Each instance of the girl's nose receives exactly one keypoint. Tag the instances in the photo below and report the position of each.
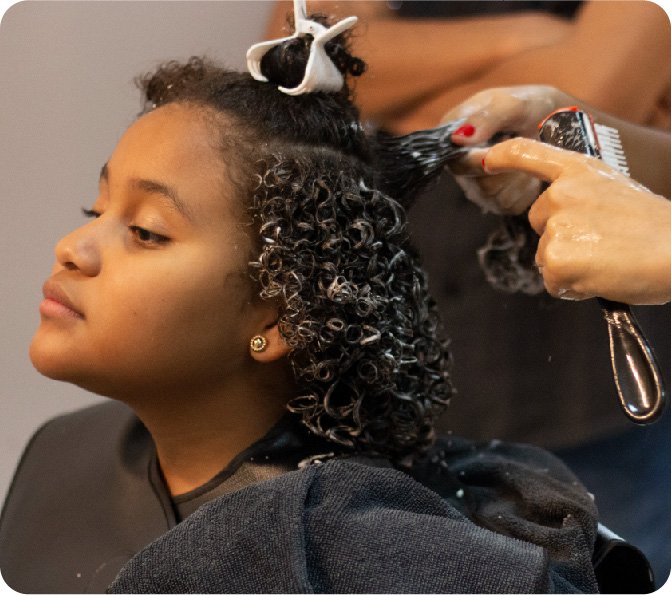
(80, 249)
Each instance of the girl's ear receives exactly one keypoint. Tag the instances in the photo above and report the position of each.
(268, 346)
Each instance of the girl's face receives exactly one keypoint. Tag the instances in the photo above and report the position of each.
(153, 292)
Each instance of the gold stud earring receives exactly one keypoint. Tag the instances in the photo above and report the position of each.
(258, 343)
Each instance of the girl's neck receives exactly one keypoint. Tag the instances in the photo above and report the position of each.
(198, 435)
(192, 454)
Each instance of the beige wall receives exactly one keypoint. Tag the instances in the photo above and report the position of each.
(65, 98)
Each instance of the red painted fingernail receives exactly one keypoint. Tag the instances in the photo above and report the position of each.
(483, 163)
(465, 130)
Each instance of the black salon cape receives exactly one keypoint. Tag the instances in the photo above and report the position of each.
(87, 501)
(346, 527)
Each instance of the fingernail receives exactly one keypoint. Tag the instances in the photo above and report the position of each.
(465, 130)
(484, 166)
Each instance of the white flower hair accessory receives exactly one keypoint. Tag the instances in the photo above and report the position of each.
(321, 74)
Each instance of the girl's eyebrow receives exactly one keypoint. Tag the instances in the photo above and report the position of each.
(154, 187)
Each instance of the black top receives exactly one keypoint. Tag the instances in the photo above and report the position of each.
(461, 8)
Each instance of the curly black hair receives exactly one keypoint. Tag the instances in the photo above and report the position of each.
(333, 250)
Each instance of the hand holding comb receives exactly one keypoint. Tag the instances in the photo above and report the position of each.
(635, 370)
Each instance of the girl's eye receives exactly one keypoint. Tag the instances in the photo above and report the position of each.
(90, 213)
(144, 236)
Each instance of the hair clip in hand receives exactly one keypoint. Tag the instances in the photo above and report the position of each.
(321, 74)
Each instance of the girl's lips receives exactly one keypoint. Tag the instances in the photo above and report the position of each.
(53, 309)
(56, 302)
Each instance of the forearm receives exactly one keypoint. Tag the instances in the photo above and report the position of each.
(435, 57)
(410, 61)
(624, 85)
(616, 59)
(621, 51)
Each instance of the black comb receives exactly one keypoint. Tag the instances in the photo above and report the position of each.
(411, 162)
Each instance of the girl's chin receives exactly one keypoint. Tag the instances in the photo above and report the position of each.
(44, 360)
(56, 361)
(65, 365)
(62, 372)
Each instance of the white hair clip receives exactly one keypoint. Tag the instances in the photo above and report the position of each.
(321, 73)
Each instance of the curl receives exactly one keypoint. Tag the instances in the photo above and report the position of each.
(373, 370)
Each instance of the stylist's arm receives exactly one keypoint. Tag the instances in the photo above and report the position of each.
(601, 233)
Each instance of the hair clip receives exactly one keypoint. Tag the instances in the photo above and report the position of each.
(321, 73)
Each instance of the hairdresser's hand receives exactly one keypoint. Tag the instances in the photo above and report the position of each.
(602, 234)
(515, 111)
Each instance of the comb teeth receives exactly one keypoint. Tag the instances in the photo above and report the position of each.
(409, 163)
(611, 147)
(428, 148)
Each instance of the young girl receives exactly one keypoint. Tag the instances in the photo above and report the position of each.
(245, 256)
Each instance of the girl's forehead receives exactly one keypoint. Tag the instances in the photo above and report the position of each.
(173, 146)
(173, 133)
